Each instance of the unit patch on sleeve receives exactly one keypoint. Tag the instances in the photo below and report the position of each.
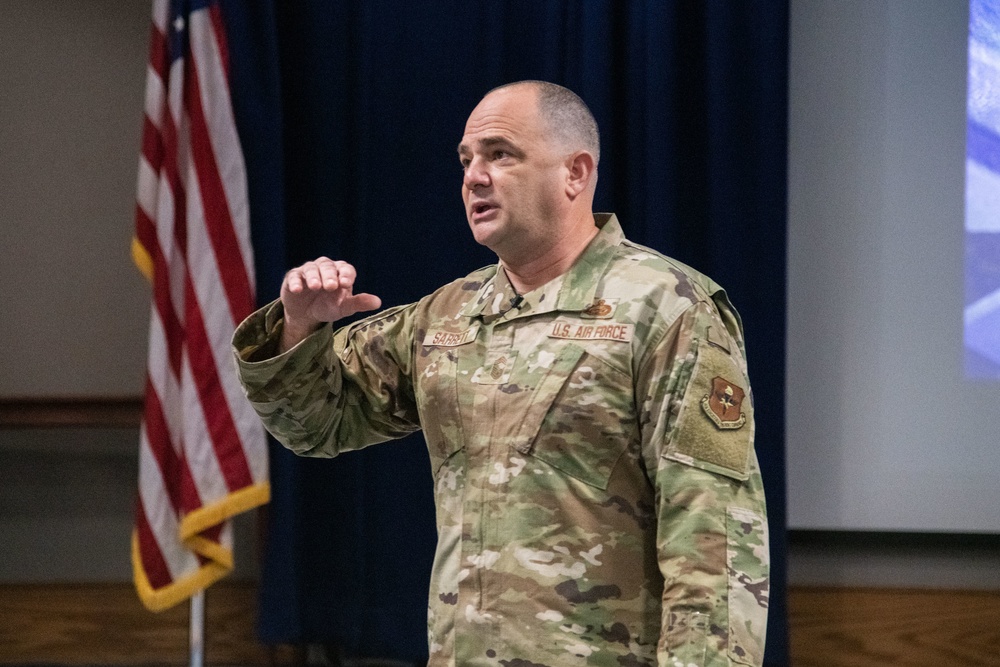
(723, 405)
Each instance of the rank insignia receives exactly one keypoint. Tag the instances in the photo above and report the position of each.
(496, 369)
(600, 309)
(724, 404)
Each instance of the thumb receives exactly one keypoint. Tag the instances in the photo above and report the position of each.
(358, 303)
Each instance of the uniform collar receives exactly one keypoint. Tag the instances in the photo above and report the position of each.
(574, 290)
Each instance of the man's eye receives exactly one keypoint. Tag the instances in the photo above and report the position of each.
(499, 155)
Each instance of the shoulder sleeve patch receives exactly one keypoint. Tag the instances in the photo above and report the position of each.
(714, 429)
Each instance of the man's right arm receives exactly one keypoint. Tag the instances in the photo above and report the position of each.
(316, 393)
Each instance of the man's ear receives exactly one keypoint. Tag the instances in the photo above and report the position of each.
(581, 173)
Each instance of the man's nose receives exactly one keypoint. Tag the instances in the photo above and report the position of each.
(476, 175)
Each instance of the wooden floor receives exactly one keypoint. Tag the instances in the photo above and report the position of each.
(830, 627)
(104, 624)
(836, 627)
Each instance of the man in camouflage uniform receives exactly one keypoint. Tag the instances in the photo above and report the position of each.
(586, 408)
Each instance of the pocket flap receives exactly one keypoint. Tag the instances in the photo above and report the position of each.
(545, 394)
(577, 421)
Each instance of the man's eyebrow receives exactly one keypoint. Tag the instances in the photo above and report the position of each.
(488, 142)
(485, 142)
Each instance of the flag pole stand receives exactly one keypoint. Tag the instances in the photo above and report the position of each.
(197, 641)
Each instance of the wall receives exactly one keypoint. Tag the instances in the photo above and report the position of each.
(891, 453)
(76, 310)
(884, 433)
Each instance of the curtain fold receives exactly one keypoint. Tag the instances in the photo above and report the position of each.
(349, 114)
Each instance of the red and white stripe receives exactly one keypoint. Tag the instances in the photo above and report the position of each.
(203, 456)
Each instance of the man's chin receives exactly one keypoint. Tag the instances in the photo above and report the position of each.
(485, 234)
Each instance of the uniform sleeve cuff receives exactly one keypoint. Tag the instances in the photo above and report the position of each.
(256, 340)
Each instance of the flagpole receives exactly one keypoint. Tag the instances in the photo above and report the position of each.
(198, 629)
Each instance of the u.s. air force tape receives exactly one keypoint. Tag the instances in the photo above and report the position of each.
(590, 330)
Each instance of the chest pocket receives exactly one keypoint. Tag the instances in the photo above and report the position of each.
(437, 402)
(580, 418)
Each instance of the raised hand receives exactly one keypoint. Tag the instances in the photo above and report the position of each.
(316, 292)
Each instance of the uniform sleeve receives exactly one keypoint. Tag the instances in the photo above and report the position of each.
(331, 392)
(698, 429)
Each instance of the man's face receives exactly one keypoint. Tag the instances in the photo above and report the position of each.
(514, 178)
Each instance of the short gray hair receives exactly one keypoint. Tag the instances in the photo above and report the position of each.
(567, 116)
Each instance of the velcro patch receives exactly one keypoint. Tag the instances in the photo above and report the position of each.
(714, 429)
(717, 338)
(439, 338)
(618, 331)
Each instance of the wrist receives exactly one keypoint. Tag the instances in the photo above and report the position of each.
(294, 332)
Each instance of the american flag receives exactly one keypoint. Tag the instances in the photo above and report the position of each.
(203, 456)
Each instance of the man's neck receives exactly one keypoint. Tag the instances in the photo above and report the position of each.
(534, 273)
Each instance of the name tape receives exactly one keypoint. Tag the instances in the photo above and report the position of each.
(438, 338)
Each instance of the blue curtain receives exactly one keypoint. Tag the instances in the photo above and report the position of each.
(350, 113)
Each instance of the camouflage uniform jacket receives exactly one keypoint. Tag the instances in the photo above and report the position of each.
(598, 496)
